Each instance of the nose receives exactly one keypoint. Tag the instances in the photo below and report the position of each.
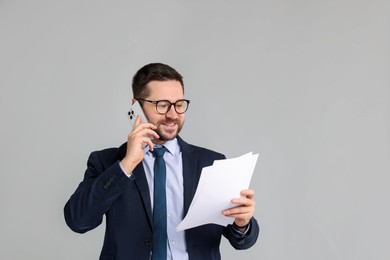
(172, 112)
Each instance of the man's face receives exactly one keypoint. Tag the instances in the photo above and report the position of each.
(169, 124)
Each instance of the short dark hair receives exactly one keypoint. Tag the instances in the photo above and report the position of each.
(151, 72)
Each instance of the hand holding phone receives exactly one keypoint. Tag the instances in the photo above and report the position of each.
(140, 137)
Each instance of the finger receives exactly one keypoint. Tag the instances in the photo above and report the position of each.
(144, 131)
(244, 217)
(141, 126)
(243, 201)
(149, 143)
(137, 121)
(238, 213)
(142, 139)
(237, 210)
(148, 133)
(248, 193)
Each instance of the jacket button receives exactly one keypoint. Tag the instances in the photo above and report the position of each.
(148, 243)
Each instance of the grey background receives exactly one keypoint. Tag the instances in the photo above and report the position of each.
(303, 83)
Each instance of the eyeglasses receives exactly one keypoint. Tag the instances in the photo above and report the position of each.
(163, 106)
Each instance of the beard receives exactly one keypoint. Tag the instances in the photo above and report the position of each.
(167, 135)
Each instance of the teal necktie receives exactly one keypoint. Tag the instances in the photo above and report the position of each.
(159, 245)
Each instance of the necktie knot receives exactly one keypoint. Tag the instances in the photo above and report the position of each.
(159, 152)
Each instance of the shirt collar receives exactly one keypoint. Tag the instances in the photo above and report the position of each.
(171, 145)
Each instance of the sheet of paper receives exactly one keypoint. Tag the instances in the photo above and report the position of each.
(218, 184)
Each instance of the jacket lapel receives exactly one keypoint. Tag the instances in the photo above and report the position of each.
(190, 173)
(143, 189)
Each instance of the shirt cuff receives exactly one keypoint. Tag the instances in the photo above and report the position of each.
(242, 233)
(123, 170)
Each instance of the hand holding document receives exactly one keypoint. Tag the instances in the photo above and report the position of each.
(218, 184)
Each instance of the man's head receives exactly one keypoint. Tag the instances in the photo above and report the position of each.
(153, 72)
(154, 85)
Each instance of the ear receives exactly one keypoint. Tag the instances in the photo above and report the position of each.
(133, 100)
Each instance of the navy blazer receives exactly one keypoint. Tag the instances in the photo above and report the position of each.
(126, 204)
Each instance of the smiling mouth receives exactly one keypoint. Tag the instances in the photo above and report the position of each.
(170, 124)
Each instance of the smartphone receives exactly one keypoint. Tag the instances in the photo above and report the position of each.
(136, 110)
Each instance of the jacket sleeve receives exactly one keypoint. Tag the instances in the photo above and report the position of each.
(103, 182)
(246, 241)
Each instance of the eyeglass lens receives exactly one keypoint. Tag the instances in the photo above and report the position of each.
(164, 106)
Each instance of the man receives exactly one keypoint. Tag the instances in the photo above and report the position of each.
(142, 213)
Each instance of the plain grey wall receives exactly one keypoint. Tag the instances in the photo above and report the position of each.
(303, 83)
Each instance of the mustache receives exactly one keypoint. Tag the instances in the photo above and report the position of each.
(168, 122)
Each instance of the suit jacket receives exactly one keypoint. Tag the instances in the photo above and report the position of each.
(126, 204)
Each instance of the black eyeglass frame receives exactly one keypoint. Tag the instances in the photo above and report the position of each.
(155, 102)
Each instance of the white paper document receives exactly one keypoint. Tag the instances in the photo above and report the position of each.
(218, 185)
